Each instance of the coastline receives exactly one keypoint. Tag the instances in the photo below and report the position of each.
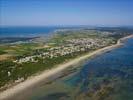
(36, 79)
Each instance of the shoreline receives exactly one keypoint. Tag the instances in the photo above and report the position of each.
(47, 73)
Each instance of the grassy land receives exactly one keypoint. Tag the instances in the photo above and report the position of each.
(2, 52)
(19, 49)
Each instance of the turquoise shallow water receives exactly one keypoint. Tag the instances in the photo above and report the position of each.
(108, 76)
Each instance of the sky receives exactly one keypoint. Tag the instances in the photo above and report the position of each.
(66, 12)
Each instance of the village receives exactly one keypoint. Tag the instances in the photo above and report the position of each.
(69, 47)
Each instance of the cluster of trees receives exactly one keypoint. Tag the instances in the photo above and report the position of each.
(2, 52)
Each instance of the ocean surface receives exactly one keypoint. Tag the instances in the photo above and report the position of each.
(25, 31)
(108, 76)
(29, 31)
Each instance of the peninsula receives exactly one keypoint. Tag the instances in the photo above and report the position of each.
(51, 56)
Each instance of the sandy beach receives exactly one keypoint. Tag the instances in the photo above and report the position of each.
(5, 95)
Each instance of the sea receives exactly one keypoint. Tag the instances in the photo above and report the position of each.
(25, 31)
(108, 76)
(31, 31)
